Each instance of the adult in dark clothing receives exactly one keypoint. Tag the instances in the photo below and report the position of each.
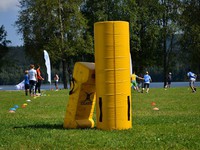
(169, 80)
(39, 80)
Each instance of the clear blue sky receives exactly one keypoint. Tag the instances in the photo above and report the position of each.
(8, 16)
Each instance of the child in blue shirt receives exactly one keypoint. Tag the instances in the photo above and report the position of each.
(147, 80)
(26, 82)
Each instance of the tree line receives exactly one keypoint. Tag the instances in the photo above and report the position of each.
(164, 34)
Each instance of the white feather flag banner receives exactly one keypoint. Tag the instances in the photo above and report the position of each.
(131, 71)
(48, 65)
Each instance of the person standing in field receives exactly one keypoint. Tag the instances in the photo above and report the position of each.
(39, 80)
(169, 80)
(26, 82)
(147, 80)
(192, 78)
(140, 82)
(134, 82)
(56, 78)
(32, 75)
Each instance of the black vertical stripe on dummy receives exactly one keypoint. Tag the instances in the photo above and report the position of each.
(72, 84)
(100, 108)
(128, 100)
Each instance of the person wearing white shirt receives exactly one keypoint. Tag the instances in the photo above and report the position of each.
(32, 74)
(192, 78)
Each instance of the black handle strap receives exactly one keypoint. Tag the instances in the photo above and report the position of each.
(72, 84)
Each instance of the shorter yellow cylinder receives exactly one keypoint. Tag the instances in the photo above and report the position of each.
(82, 97)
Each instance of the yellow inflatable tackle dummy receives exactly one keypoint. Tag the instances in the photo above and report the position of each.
(112, 73)
(82, 97)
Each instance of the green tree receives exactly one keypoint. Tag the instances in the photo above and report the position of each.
(57, 26)
(117, 10)
(169, 27)
(144, 18)
(3, 44)
(94, 11)
(146, 30)
(190, 41)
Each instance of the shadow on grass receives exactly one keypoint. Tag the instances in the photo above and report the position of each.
(41, 126)
(49, 126)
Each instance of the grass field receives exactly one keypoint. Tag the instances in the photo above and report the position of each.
(176, 126)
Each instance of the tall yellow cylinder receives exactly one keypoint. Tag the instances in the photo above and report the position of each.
(112, 73)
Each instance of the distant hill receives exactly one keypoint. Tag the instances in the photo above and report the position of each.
(18, 56)
(14, 64)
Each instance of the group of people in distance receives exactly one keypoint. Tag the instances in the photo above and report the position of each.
(147, 80)
(33, 80)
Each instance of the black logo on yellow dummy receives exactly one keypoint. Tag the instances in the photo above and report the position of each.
(87, 100)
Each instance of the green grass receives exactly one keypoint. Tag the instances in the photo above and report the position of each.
(39, 126)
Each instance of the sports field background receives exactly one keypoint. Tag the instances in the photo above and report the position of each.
(176, 125)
